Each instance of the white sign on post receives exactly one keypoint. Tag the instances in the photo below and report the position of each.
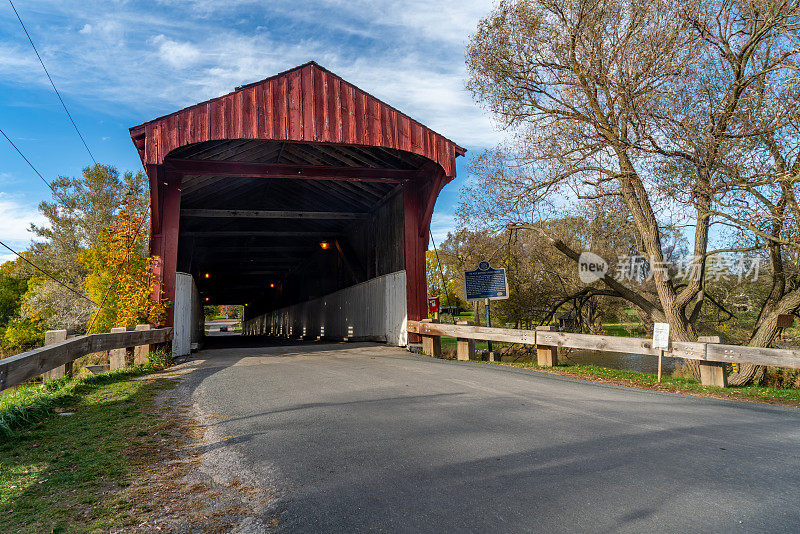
(661, 336)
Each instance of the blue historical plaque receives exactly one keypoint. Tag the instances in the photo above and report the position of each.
(486, 283)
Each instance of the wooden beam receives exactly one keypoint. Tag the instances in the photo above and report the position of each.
(51, 337)
(414, 255)
(238, 288)
(155, 198)
(546, 356)
(281, 170)
(208, 266)
(465, 348)
(262, 214)
(755, 355)
(261, 233)
(705, 352)
(216, 273)
(432, 194)
(17, 369)
(165, 245)
(432, 345)
(678, 349)
(207, 247)
(712, 373)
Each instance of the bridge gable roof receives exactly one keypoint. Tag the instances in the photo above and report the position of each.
(306, 104)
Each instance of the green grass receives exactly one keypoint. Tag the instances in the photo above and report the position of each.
(29, 403)
(622, 329)
(448, 341)
(677, 384)
(62, 473)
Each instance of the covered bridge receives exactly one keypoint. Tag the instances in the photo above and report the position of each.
(302, 197)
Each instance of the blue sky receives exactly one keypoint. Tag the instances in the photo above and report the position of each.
(120, 63)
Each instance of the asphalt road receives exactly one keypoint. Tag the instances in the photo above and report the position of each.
(362, 437)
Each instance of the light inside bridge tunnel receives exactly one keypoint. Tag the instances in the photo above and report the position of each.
(294, 191)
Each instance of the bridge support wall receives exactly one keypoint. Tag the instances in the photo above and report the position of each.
(372, 310)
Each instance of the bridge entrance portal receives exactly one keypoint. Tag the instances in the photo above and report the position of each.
(301, 196)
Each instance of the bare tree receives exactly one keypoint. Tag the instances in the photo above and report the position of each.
(652, 103)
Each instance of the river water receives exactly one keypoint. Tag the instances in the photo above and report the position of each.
(618, 360)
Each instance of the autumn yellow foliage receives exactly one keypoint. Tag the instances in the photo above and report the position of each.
(119, 276)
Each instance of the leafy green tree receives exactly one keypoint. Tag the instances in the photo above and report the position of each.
(50, 305)
(81, 210)
(12, 287)
(684, 111)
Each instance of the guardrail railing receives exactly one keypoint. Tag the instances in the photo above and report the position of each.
(710, 354)
(57, 355)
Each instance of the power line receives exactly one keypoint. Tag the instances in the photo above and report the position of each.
(48, 184)
(100, 306)
(50, 276)
(28, 161)
(51, 82)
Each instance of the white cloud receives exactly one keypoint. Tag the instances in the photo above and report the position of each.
(441, 224)
(17, 217)
(410, 54)
(177, 54)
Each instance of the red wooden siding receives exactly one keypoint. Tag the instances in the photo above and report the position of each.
(308, 104)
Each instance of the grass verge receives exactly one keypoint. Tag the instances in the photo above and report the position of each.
(785, 397)
(27, 404)
(65, 472)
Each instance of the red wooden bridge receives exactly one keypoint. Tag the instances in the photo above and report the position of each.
(288, 191)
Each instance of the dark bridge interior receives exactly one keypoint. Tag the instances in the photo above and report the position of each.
(272, 241)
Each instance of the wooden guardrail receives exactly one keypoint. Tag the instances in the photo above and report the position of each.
(711, 355)
(60, 352)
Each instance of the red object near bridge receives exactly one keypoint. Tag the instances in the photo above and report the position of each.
(433, 304)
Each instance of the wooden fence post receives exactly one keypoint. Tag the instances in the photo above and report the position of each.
(465, 348)
(50, 337)
(141, 352)
(117, 356)
(712, 373)
(546, 355)
(431, 345)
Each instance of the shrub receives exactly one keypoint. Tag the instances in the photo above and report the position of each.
(24, 334)
(159, 359)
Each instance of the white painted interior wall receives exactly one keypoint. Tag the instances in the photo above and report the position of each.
(188, 315)
(375, 309)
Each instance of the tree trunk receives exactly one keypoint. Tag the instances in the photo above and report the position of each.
(747, 372)
(764, 336)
